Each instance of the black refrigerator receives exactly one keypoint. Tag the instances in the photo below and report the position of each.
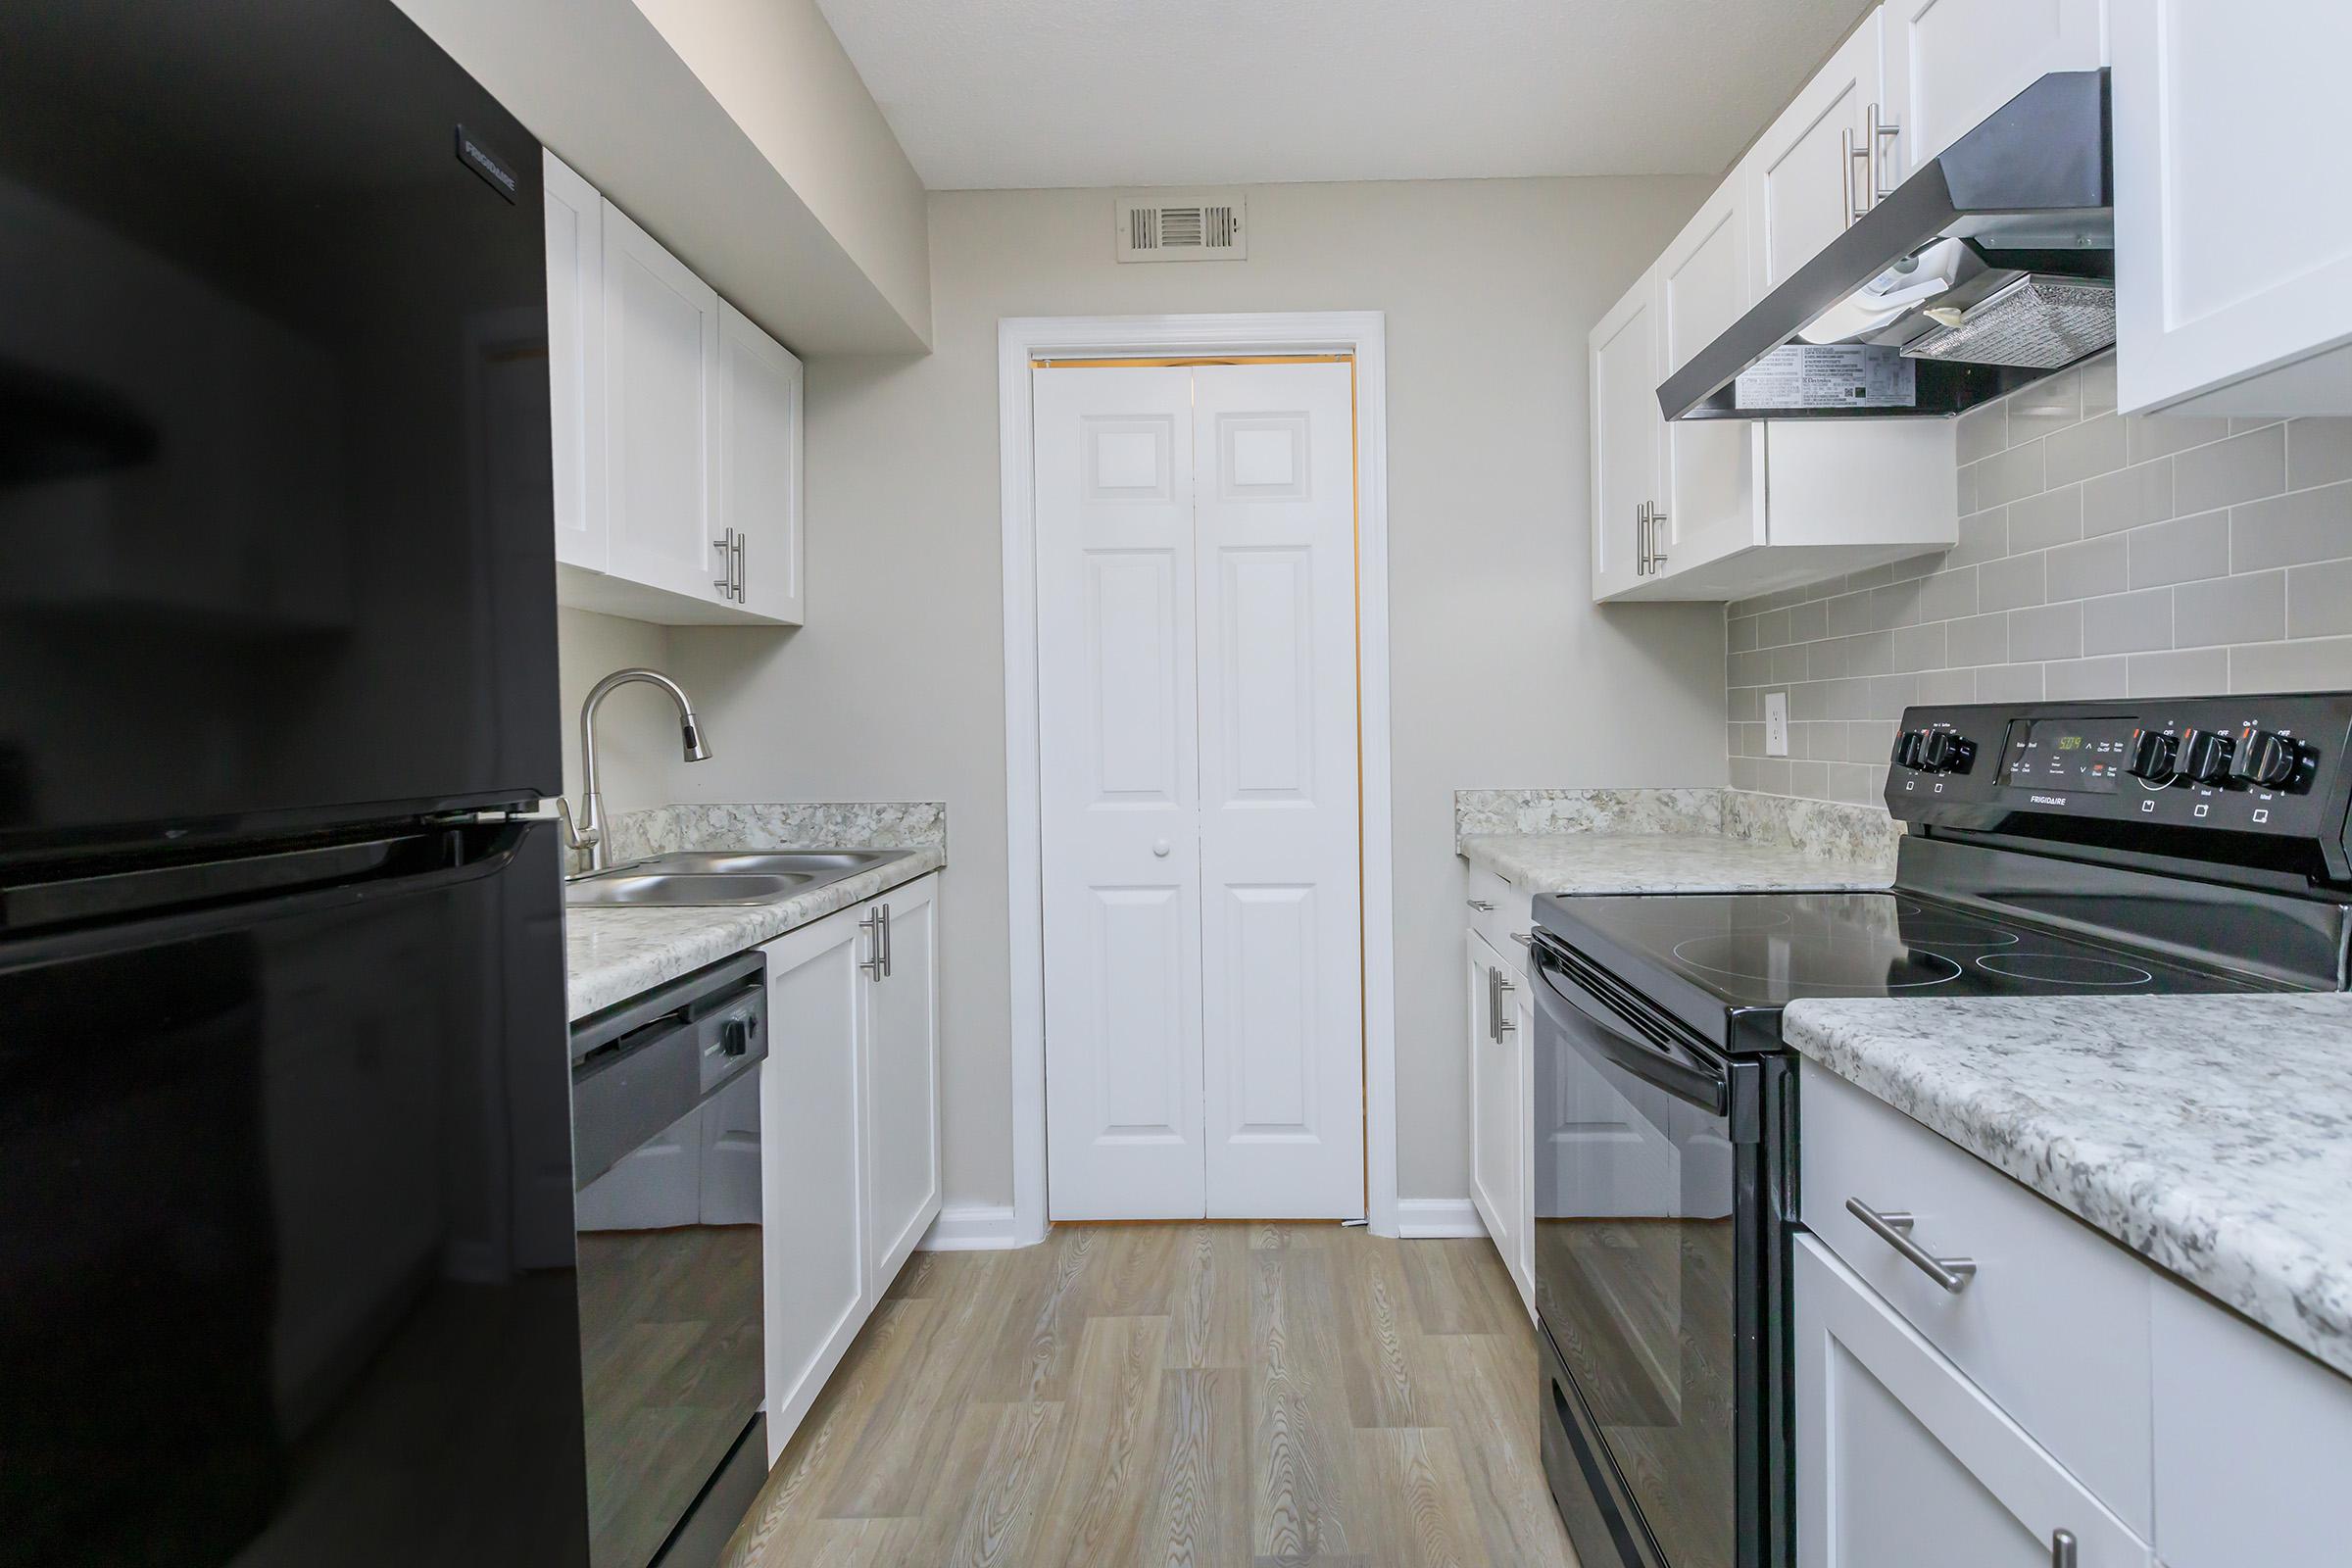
(285, 1181)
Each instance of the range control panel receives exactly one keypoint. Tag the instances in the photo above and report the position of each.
(2273, 766)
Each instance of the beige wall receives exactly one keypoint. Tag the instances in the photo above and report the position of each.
(1503, 672)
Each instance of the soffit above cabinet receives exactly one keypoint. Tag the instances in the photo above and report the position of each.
(599, 84)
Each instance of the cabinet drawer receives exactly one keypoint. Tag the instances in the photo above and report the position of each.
(2054, 1325)
(1511, 912)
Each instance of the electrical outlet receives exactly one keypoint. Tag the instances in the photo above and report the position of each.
(1776, 724)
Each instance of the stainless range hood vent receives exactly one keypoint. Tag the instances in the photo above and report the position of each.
(1990, 267)
(2039, 323)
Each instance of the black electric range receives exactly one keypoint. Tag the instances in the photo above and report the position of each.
(2054, 849)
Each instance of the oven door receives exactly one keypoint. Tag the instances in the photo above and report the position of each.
(1648, 1276)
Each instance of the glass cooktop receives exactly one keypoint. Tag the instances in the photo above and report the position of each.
(1763, 950)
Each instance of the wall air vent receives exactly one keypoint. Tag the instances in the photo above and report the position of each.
(1194, 226)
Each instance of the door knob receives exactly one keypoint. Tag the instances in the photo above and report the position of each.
(1159, 847)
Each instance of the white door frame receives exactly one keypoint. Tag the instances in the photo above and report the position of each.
(1020, 341)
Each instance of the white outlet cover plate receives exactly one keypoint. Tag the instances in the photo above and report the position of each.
(1776, 724)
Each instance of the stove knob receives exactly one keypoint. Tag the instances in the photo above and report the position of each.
(2264, 760)
(1907, 749)
(2152, 752)
(2205, 756)
(1945, 751)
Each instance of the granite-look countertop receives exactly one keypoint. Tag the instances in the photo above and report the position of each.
(1663, 862)
(614, 954)
(2210, 1134)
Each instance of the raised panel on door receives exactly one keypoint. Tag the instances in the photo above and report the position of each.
(661, 345)
(1120, 825)
(757, 483)
(575, 336)
(2233, 239)
(1801, 176)
(1900, 1460)
(1627, 431)
(903, 1186)
(1709, 483)
(1494, 1125)
(812, 1121)
(1951, 63)
(1274, 539)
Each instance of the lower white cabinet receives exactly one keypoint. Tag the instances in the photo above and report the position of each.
(850, 1130)
(1901, 1459)
(1501, 1019)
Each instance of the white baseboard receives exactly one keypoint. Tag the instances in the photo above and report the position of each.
(969, 1228)
(1419, 1218)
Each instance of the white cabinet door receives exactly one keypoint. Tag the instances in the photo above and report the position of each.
(1627, 435)
(576, 361)
(1707, 478)
(757, 484)
(1802, 173)
(1900, 1460)
(1951, 63)
(811, 1116)
(902, 1078)
(1497, 1116)
(2233, 208)
(660, 347)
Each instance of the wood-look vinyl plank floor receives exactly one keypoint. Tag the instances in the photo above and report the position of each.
(1209, 1396)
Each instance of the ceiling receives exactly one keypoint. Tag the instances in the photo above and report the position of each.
(988, 94)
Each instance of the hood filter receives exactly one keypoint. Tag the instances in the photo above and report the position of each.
(2039, 323)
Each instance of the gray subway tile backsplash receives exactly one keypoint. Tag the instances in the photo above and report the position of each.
(2099, 556)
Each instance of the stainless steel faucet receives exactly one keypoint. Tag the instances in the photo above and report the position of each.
(588, 832)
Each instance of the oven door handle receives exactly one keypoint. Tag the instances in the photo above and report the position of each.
(1608, 1034)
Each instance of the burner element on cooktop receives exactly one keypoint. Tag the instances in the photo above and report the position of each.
(2066, 970)
(1869, 967)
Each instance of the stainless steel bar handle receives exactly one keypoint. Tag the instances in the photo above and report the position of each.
(1657, 556)
(2062, 1548)
(737, 553)
(889, 945)
(1845, 163)
(724, 544)
(871, 925)
(1493, 1002)
(1483, 905)
(1881, 132)
(1504, 1023)
(1894, 1227)
(1859, 187)
(1641, 538)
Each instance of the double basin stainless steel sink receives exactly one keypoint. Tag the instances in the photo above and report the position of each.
(723, 877)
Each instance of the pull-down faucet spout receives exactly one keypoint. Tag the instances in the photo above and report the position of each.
(588, 832)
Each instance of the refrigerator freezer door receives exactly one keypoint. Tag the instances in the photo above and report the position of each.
(288, 1232)
(276, 539)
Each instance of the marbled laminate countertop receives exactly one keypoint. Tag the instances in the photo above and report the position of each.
(614, 954)
(2210, 1134)
(1664, 862)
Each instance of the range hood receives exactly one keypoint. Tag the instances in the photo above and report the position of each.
(1988, 270)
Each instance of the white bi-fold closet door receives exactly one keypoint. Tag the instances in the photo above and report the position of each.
(1196, 695)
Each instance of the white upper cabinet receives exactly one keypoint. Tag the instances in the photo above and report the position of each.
(2233, 208)
(676, 430)
(1807, 176)
(1627, 432)
(575, 357)
(1706, 466)
(757, 486)
(660, 355)
(1951, 63)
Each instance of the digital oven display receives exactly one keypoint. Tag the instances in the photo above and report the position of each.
(2068, 753)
